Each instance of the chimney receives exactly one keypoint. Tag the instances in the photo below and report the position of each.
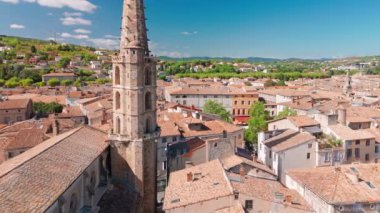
(242, 171)
(55, 127)
(104, 116)
(342, 115)
(190, 177)
(288, 199)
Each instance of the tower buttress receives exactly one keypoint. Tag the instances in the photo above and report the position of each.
(135, 131)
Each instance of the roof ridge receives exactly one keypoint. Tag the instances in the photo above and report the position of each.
(20, 160)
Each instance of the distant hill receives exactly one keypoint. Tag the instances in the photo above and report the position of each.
(229, 59)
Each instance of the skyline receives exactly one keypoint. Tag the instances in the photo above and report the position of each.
(251, 28)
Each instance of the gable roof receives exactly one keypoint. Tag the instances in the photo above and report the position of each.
(211, 184)
(341, 185)
(14, 104)
(34, 180)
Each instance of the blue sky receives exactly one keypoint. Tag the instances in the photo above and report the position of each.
(180, 28)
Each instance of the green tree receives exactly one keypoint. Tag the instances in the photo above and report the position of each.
(216, 108)
(78, 83)
(33, 49)
(2, 82)
(66, 83)
(53, 82)
(40, 84)
(26, 82)
(286, 112)
(63, 63)
(12, 83)
(257, 122)
(42, 108)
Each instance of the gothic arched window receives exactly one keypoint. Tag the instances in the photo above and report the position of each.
(117, 100)
(117, 130)
(117, 76)
(148, 77)
(147, 126)
(148, 101)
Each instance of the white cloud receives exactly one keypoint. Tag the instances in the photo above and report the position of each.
(189, 33)
(111, 36)
(79, 5)
(72, 14)
(160, 50)
(82, 31)
(105, 43)
(75, 21)
(78, 36)
(10, 1)
(17, 26)
(49, 14)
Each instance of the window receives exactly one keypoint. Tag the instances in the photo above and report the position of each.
(310, 145)
(349, 153)
(243, 111)
(117, 100)
(215, 145)
(249, 204)
(242, 102)
(147, 126)
(357, 153)
(233, 112)
(270, 154)
(368, 142)
(327, 157)
(236, 102)
(215, 96)
(10, 155)
(19, 118)
(117, 127)
(117, 75)
(164, 165)
(357, 142)
(367, 157)
(184, 102)
(148, 77)
(174, 139)
(205, 96)
(249, 103)
(349, 143)
(164, 140)
(238, 112)
(376, 149)
(148, 101)
(308, 155)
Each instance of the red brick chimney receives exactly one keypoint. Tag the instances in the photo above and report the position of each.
(189, 177)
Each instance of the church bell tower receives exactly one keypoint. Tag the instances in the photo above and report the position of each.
(135, 131)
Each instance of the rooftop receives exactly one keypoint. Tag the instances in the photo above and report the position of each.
(302, 121)
(346, 133)
(14, 104)
(210, 182)
(268, 190)
(348, 184)
(34, 180)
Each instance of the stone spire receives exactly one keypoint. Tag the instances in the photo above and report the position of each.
(133, 31)
(135, 131)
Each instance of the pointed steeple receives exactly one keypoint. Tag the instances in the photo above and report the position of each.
(133, 32)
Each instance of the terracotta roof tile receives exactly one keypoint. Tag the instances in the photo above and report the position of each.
(14, 104)
(346, 184)
(211, 183)
(34, 180)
